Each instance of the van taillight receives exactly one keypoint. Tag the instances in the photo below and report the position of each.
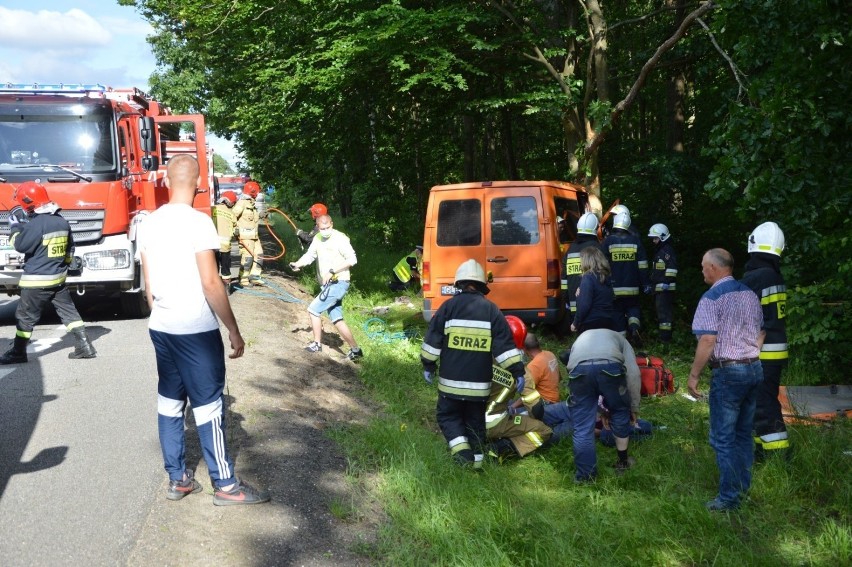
(425, 276)
(553, 274)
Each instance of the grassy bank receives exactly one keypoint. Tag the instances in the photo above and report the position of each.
(530, 512)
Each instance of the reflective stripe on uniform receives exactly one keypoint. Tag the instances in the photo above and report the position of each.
(772, 441)
(774, 351)
(50, 280)
(467, 389)
(625, 291)
(535, 438)
(458, 444)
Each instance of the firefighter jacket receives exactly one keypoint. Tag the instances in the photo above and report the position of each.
(468, 333)
(663, 267)
(571, 272)
(405, 267)
(245, 212)
(628, 262)
(763, 275)
(223, 216)
(48, 247)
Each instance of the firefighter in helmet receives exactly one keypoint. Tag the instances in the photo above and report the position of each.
(317, 210)
(223, 216)
(45, 239)
(629, 266)
(513, 435)
(587, 235)
(662, 277)
(763, 276)
(248, 235)
(468, 334)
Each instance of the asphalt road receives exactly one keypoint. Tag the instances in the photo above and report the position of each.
(76, 441)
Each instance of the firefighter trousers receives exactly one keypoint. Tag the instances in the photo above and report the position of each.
(33, 301)
(251, 262)
(463, 424)
(664, 302)
(770, 433)
(525, 433)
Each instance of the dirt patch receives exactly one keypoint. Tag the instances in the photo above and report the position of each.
(281, 401)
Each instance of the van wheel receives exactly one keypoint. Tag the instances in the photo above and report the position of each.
(135, 305)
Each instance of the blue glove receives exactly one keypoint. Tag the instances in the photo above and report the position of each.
(647, 289)
(427, 375)
(13, 220)
(519, 383)
(664, 287)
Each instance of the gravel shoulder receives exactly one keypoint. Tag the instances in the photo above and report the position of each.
(281, 401)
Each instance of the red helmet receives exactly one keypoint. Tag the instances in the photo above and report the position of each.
(31, 195)
(228, 197)
(318, 210)
(252, 189)
(519, 330)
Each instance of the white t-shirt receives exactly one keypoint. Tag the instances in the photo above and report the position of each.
(170, 237)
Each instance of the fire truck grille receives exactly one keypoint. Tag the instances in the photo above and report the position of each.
(87, 226)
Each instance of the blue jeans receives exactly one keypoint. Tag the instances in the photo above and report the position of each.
(588, 381)
(330, 299)
(733, 394)
(558, 417)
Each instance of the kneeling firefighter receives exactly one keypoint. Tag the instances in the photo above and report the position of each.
(44, 237)
(512, 435)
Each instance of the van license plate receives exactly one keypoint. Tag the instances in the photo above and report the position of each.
(449, 290)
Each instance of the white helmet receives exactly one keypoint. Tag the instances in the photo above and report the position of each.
(660, 231)
(768, 238)
(618, 209)
(622, 221)
(588, 224)
(470, 271)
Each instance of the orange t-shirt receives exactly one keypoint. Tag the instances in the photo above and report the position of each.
(544, 369)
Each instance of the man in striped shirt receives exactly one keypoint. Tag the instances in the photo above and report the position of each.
(729, 326)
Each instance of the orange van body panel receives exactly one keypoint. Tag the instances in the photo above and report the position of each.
(519, 247)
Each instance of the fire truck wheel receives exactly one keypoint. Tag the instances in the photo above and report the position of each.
(135, 305)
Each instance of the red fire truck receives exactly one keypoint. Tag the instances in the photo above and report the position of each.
(101, 153)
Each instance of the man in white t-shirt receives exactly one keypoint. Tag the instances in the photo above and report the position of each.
(334, 255)
(178, 246)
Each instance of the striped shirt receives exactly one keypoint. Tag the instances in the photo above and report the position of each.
(731, 311)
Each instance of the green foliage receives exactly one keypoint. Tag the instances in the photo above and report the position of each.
(366, 105)
(221, 165)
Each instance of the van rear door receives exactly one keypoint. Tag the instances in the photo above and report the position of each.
(514, 254)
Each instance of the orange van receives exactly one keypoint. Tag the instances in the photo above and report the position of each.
(510, 227)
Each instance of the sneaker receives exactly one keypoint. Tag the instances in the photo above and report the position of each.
(622, 466)
(241, 493)
(180, 488)
(717, 505)
(256, 280)
(355, 354)
(313, 346)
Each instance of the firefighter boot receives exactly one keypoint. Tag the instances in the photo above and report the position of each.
(16, 354)
(84, 348)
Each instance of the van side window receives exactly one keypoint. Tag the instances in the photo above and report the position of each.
(460, 223)
(569, 210)
(514, 220)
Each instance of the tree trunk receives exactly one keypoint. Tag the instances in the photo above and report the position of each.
(676, 92)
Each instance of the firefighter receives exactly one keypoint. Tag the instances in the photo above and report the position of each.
(662, 276)
(629, 273)
(587, 235)
(223, 216)
(514, 435)
(468, 334)
(45, 239)
(763, 276)
(251, 251)
(613, 212)
(407, 270)
(317, 210)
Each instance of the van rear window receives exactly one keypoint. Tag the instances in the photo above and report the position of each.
(460, 223)
(514, 220)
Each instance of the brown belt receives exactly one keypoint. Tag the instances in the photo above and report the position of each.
(724, 363)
